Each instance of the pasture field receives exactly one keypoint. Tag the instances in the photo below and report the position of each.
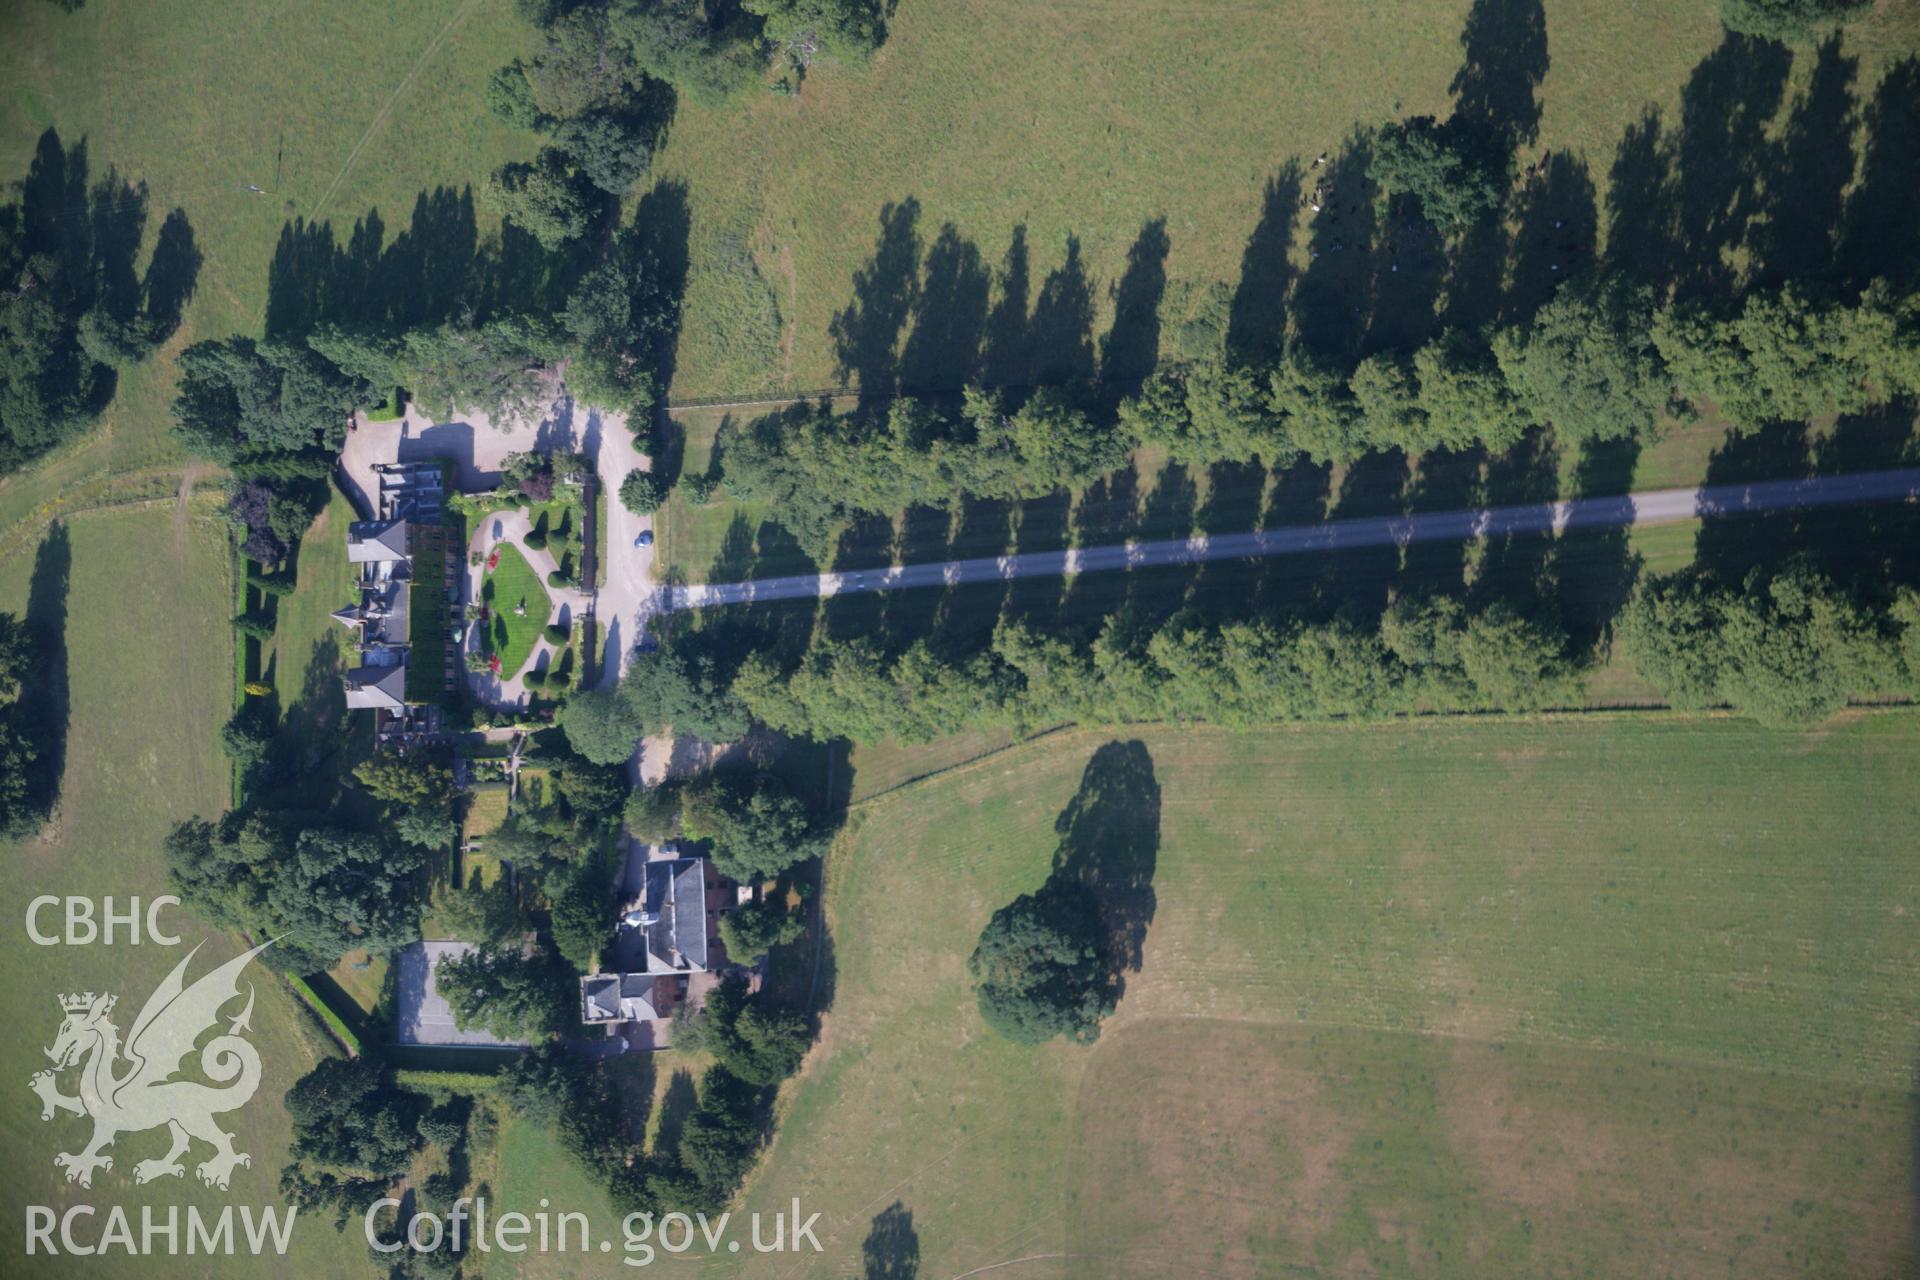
(142, 597)
(1537, 996)
(1045, 145)
(331, 109)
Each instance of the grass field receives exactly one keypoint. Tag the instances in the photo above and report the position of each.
(1588, 995)
(149, 671)
(1006, 129)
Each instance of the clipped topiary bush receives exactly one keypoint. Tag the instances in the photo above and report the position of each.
(556, 635)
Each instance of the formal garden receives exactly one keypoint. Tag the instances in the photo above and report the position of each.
(517, 608)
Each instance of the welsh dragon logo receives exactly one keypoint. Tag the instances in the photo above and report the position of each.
(145, 1095)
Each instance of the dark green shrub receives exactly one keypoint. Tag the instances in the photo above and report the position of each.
(640, 492)
(257, 626)
(273, 584)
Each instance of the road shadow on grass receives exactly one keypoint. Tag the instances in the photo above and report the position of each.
(891, 1250)
(45, 705)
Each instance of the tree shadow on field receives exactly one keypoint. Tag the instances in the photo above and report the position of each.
(1132, 345)
(676, 1104)
(657, 240)
(1060, 332)
(1004, 359)
(866, 335)
(1333, 300)
(1109, 844)
(1557, 223)
(932, 320)
(1257, 317)
(72, 242)
(892, 1247)
(1505, 48)
(45, 705)
(949, 318)
(1878, 238)
(1682, 201)
(436, 269)
(171, 275)
(311, 747)
(1807, 185)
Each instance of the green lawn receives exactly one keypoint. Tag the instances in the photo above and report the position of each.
(512, 585)
(1586, 995)
(693, 542)
(534, 1167)
(150, 676)
(309, 646)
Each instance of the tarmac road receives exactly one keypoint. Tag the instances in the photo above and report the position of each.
(1662, 506)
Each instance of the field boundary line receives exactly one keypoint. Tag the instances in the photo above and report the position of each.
(22, 534)
(1683, 1057)
(1010, 1262)
(386, 108)
(1637, 711)
(988, 754)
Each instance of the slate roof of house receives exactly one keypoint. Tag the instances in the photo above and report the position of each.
(383, 687)
(376, 541)
(675, 905)
(617, 997)
(388, 603)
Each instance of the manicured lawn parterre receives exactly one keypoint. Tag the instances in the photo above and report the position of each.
(1592, 995)
(519, 607)
(148, 674)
